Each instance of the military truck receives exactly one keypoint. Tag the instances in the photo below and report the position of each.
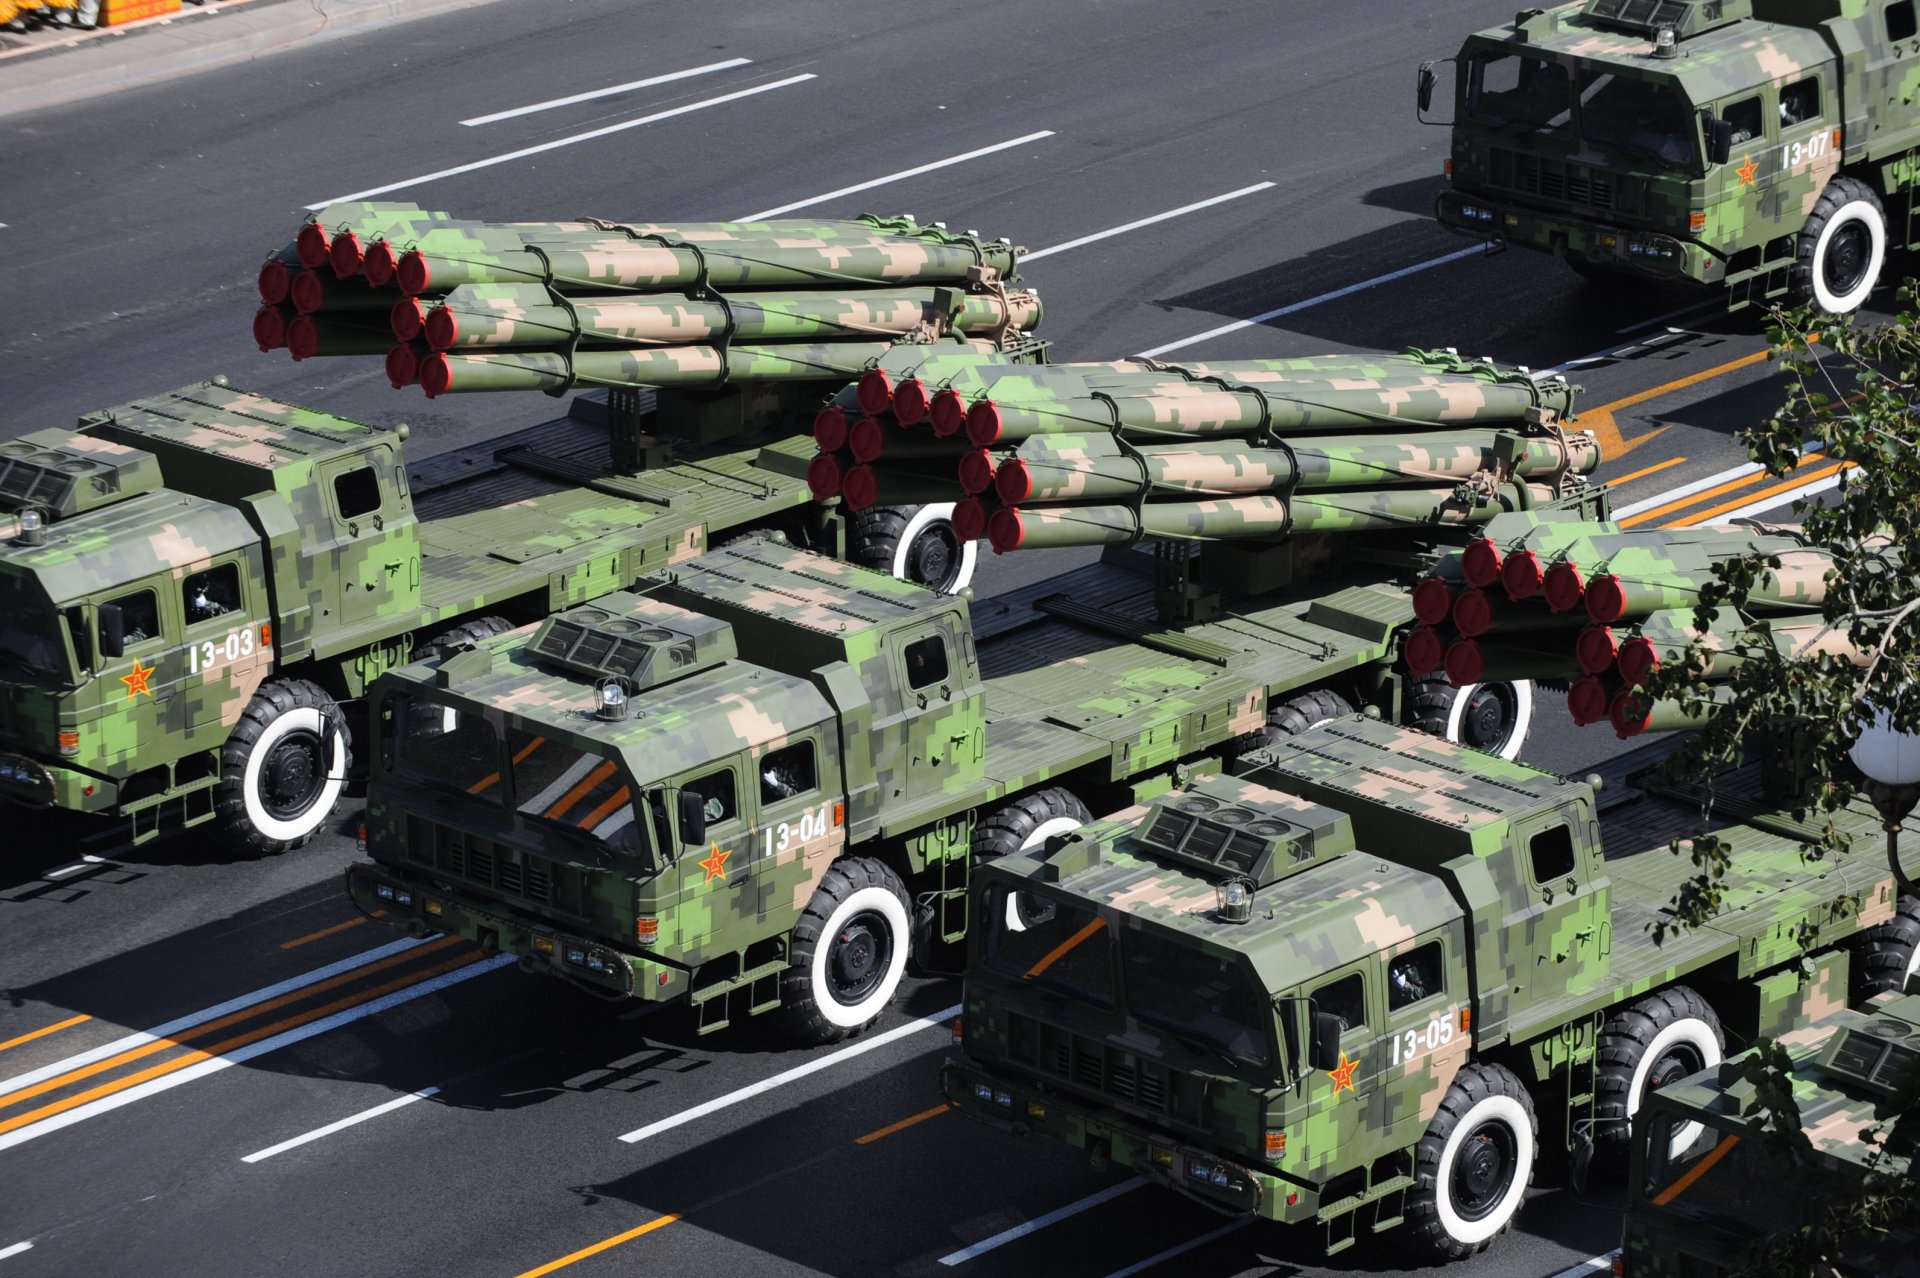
(760, 780)
(1705, 1184)
(1767, 146)
(193, 584)
(1358, 985)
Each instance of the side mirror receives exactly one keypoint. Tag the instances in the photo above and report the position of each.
(1719, 141)
(113, 631)
(693, 818)
(1324, 1051)
(1423, 95)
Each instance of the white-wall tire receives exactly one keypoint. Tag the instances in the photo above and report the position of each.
(1041, 833)
(1436, 706)
(869, 902)
(1657, 1040)
(1474, 1165)
(848, 952)
(923, 520)
(283, 768)
(1692, 1033)
(1511, 1116)
(1842, 247)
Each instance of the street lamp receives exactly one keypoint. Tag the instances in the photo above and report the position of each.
(1890, 761)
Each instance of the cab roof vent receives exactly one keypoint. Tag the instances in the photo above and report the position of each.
(1686, 17)
(62, 474)
(1229, 840)
(645, 651)
(1873, 1057)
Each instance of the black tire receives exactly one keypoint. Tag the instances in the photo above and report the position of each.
(849, 951)
(1290, 718)
(1493, 718)
(1473, 1166)
(282, 769)
(1661, 1038)
(467, 632)
(1884, 957)
(1840, 250)
(1023, 823)
(913, 543)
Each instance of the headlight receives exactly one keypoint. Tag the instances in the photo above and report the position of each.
(982, 1091)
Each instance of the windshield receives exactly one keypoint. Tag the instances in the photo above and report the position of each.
(1649, 118)
(1519, 91)
(1702, 1171)
(579, 792)
(1197, 995)
(443, 747)
(1068, 948)
(29, 638)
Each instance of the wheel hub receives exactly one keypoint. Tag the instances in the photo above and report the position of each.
(1483, 1170)
(1673, 1066)
(858, 961)
(933, 556)
(1845, 264)
(1488, 718)
(290, 779)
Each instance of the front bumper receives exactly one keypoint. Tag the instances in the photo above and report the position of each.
(420, 909)
(1224, 1184)
(1653, 254)
(34, 783)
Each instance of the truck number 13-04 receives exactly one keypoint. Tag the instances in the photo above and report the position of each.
(812, 825)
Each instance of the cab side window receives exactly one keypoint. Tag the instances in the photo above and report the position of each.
(1552, 852)
(1414, 976)
(139, 615)
(1799, 103)
(357, 492)
(717, 794)
(1900, 23)
(1345, 998)
(210, 594)
(1744, 116)
(789, 772)
(926, 661)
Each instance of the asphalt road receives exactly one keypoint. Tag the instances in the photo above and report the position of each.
(133, 225)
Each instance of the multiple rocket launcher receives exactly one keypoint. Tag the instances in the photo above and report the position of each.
(1092, 454)
(1621, 605)
(458, 305)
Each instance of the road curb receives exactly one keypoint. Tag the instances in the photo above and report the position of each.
(200, 42)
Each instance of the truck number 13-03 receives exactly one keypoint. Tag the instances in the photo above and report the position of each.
(205, 656)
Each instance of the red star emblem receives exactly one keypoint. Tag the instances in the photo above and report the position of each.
(1343, 1076)
(1747, 171)
(716, 864)
(137, 681)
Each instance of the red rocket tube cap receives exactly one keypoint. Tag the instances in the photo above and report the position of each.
(1629, 714)
(875, 391)
(910, 402)
(1012, 482)
(308, 291)
(1433, 600)
(948, 411)
(275, 281)
(403, 366)
(1465, 663)
(436, 375)
(977, 473)
(1424, 652)
(1480, 562)
(983, 422)
(379, 264)
(1638, 659)
(303, 338)
(1564, 586)
(414, 274)
(860, 487)
(311, 245)
(1473, 613)
(1606, 600)
(345, 255)
(823, 476)
(1520, 574)
(969, 519)
(867, 439)
(1596, 650)
(269, 328)
(411, 320)
(830, 428)
(1005, 532)
(1587, 700)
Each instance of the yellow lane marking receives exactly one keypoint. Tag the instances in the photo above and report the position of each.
(1798, 479)
(162, 1044)
(330, 931)
(604, 1244)
(902, 1125)
(1644, 471)
(251, 1036)
(43, 1031)
(1601, 420)
(1745, 481)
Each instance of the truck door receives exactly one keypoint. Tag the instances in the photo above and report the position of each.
(717, 881)
(226, 655)
(938, 711)
(1886, 108)
(1337, 1100)
(1426, 988)
(801, 827)
(1556, 929)
(375, 547)
(138, 685)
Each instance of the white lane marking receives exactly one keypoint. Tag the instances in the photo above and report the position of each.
(1336, 295)
(557, 143)
(1810, 489)
(895, 177)
(82, 864)
(342, 1125)
(192, 1019)
(1053, 1217)
(166, 1082)
(792, 1075)
(1591, 1265)
(17, 1248)
(1187, 1246)
(1688, 490)
(648, 83)
(1147, 221)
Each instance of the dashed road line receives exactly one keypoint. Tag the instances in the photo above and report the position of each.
(18, 1247)
(1053, 1217)
(555, 103)
(83, 863)
(1644, 471)
(1146, 221)
(43, 1031)
(1187, 1246)
(335, 930)
(352, 1120)
(1591, 1265)
(902, 1125)
(895, 177)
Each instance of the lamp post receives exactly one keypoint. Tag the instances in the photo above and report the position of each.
(1890, 761)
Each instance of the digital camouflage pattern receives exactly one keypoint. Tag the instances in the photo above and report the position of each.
(1708, 1206)
(1574, 133)
(1467, 903)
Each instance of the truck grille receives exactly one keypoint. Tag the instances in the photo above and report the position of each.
(1108, 1071)
(497, 869)
(1563, 183)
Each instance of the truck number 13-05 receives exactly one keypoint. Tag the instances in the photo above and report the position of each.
(1438, 1033)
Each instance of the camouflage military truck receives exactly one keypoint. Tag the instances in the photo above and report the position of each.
(762, 778)
(1765, 145)
(1349, 988)
(1705, 1189)
(194, 583)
